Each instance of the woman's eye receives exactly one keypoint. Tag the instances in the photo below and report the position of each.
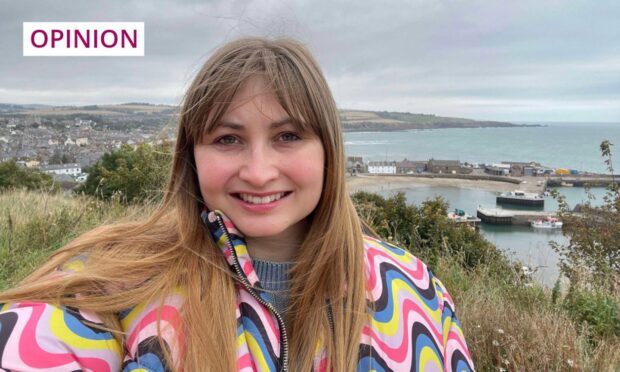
(227, 140)
(289, 137)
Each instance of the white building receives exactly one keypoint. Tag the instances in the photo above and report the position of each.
(72, 169)
(382, 167)
(83, 141)
(82, 123)
(69, 141)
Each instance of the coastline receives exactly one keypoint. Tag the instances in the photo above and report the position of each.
(376, 183)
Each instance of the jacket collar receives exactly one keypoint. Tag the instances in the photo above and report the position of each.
(232, 244)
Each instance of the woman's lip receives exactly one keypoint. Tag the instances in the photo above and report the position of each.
(261, 194)
(261, 208)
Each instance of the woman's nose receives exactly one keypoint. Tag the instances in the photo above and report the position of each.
(260, 166)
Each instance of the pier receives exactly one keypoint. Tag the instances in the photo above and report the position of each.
(582, 181)
(496, 216)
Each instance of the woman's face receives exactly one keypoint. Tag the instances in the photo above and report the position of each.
(257, 167)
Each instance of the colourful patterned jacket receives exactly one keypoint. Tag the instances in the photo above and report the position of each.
(413, 326)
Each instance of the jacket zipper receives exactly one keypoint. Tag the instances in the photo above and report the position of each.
(246, 284)
(330, 318)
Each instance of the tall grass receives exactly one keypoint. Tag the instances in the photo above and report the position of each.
(517, 327)
(34, 224)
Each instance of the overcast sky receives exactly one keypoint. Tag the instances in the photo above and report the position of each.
(520, 61)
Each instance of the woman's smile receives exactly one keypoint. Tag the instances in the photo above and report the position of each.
(261, 204)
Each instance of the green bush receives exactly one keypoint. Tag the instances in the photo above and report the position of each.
(12, 176)
(599, 311)
(130, 174)
(591, 259)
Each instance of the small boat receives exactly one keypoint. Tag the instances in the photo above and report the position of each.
(547, 223)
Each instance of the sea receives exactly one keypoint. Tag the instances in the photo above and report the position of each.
(556, 145)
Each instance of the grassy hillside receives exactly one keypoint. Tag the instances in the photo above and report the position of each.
(34, 224)
(356, 120)
(136, 113)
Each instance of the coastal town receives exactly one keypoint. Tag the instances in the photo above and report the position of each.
(63, 144)
(63, 141)
(532, 176)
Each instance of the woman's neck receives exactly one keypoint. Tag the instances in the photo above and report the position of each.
(278, 248)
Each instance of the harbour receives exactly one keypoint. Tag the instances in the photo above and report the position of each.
(558, 145)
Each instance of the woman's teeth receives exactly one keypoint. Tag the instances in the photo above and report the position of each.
(261, 200)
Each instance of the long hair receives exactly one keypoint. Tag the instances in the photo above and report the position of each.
(172, 249)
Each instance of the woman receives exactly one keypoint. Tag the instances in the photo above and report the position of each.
(292, 285)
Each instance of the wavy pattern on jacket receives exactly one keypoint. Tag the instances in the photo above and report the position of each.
(413, 325)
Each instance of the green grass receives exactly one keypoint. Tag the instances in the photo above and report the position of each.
(34, 224)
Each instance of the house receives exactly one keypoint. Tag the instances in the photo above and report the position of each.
(410, 167)
(32, 163)
(355, 164)
(83, 141)
(444, 166)
(497, 169)
(382, 167)
(520, 169)
(72, 169)
(516, 170)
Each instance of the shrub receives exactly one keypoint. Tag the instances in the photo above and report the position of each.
(132, 174)
(13, 176)
(599, 311)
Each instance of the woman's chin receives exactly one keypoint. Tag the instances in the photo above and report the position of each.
(260, 231)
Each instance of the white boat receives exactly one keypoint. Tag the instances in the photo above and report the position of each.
(547, 223)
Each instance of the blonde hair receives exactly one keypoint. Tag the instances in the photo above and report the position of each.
(171, 249)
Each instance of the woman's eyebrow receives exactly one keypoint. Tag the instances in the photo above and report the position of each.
(237, 126)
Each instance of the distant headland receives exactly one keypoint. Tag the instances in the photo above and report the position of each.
(386, 121)
(140, 112)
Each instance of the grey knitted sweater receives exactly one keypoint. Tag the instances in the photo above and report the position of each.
(274, 279)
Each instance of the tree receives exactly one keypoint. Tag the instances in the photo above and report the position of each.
(136, 174)
(592, 256)
(15, 176)
(60, 157)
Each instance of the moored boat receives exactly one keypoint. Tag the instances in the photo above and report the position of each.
(521, 198)
(547, 223)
